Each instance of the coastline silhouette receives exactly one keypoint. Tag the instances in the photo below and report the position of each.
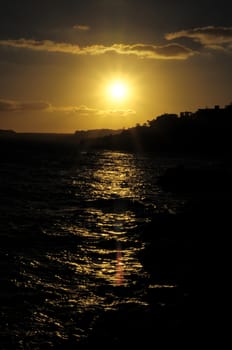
(205, 131)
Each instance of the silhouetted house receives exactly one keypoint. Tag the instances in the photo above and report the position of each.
(208, 115)
(208, 111)
(186, 114)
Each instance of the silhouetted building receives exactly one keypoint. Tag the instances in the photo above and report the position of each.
(185, 114)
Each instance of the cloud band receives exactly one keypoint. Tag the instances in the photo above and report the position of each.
(170, 51)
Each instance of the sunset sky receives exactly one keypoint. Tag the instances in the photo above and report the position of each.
(67, 65)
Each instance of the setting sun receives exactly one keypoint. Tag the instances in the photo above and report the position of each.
(117, 90)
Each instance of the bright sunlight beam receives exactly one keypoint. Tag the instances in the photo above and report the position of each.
(117, 90)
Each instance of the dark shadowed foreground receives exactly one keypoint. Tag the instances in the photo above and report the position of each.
(109, 248)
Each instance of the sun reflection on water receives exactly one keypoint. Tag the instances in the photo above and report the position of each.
(116, 177)
(115, 181)
(112, 251)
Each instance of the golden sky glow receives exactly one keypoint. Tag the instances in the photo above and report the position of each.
(78, 65)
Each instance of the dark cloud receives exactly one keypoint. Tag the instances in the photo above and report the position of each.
(18, 106)
(82, 110)
(170, 51)
(207, 36)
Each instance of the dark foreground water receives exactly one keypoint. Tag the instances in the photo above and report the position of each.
(78, 260)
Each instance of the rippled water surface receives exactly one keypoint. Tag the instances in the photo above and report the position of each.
(70, 244)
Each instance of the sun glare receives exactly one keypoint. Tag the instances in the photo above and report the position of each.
(117, 90)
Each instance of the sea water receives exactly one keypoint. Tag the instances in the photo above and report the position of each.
(71, 246)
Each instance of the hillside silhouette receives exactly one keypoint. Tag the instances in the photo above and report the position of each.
(207, 130)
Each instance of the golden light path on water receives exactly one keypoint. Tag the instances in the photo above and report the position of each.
(111, 251)
(115, 180)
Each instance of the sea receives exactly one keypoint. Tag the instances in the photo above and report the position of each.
(74, 231)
